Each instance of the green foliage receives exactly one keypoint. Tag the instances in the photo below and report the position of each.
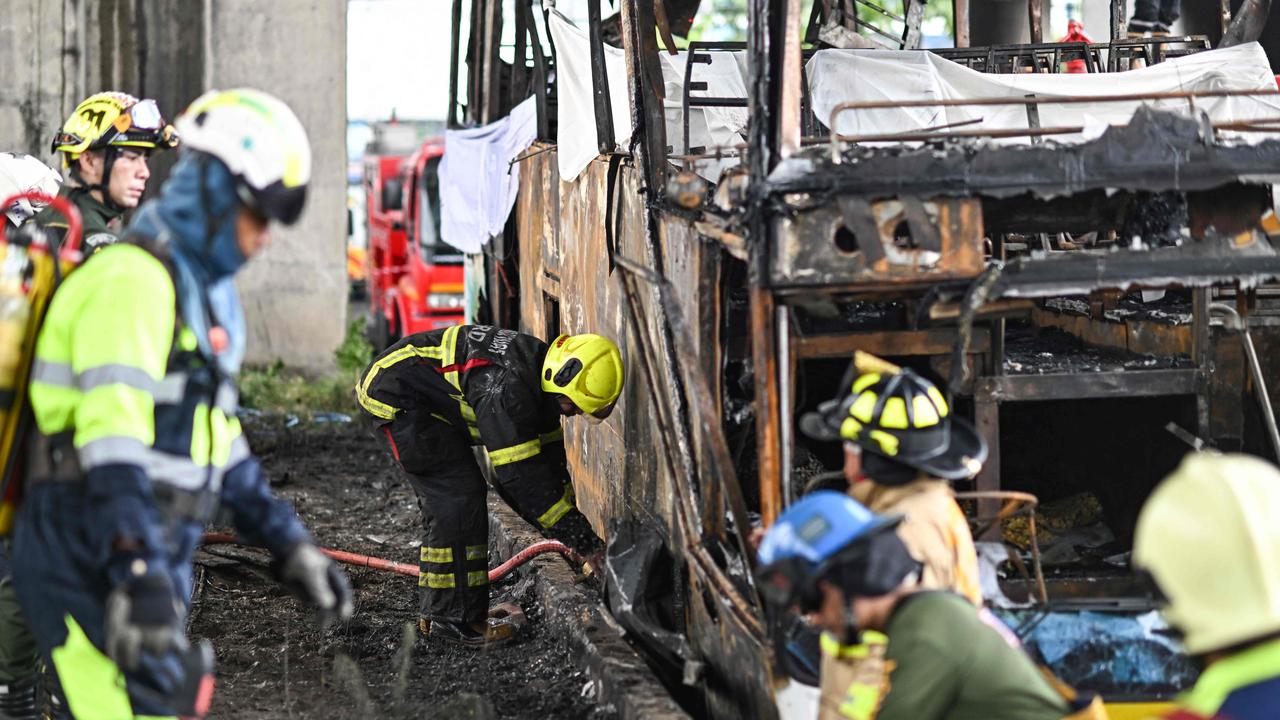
(727, 19)
(278, 390)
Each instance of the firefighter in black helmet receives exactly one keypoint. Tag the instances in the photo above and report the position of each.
(436, 394)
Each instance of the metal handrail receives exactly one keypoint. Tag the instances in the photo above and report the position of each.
(1015, 504)
(836, 138)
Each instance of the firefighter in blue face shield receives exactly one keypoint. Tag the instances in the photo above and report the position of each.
(138, 444)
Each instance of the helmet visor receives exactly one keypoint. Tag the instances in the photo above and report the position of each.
(145, 115)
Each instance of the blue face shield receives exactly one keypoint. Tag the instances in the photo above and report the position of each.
(195, 219)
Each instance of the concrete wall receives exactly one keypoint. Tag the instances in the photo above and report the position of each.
(172, 50)
(296, 293)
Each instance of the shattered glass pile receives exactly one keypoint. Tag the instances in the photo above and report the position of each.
(1115, 654)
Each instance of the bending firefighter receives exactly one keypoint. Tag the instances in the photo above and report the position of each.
(138, 443)
(434, 395)
(105, 145)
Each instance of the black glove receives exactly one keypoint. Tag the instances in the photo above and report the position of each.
(143, 614)
(312, 577)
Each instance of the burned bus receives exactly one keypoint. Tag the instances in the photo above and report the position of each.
(1083, 259)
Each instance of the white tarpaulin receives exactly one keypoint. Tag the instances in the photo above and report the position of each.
(576, 143)
(837, 76)
(709, 127)
(478, 185)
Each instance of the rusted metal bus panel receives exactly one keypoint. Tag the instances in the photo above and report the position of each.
(885, 242)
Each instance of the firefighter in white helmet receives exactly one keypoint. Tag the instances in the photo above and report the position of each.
(1209, 537)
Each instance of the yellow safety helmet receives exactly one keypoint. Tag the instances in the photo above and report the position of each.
(904, 417)
(113, 119)
(1210, 539)
(587, 369)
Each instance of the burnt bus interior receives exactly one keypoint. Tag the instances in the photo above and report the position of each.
(1098, 302)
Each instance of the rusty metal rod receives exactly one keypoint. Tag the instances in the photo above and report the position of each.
(1016, 503)
(1241, 324)
(1063, 100)
(920, 136)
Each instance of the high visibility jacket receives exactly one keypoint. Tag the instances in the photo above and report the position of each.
(1241, 686)
(484, 382)
(119, 379)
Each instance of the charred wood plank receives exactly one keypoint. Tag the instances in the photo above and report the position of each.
(1087, 385)
(934, 341)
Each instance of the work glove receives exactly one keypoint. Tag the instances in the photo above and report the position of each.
(312, 577)
(143, 615)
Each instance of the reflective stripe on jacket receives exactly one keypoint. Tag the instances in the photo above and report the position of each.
(113, 375)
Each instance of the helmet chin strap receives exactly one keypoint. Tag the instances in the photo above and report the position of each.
(109, 154)
(850, 634)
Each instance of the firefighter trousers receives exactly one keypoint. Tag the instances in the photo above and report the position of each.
(453, 577)
(63, 589)
(18, 657)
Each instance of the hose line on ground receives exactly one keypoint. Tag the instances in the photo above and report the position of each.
(376, 563)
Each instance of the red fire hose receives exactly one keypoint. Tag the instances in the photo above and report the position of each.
(350, 558)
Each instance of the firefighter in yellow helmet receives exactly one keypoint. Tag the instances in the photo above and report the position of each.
(903, 447)
(1209, 537)
(105, 145)
(434, 395)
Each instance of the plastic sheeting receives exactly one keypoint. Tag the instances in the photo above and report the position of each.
(478, 185)
(576, 138)
(837, 76)
(1115, 654)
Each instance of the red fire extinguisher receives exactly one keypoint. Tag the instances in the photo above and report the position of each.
(1075, 34)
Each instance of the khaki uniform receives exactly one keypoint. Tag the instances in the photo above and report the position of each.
(935, 531)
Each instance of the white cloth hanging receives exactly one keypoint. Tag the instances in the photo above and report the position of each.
(478, 183)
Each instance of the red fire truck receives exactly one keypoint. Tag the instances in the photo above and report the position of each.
(415, 280)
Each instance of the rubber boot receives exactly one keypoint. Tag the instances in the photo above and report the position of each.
(489, 633)
(18, 700)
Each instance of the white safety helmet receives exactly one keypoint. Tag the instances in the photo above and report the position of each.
(1210, 537)
(260, 141)
(20, 173)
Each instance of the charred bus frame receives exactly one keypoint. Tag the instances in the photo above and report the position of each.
(638, 247)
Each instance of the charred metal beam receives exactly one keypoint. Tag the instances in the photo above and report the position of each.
(1246, 26)
(1197, 264)
(911, 31)
(934, 341)
(1156, 151)
(1118, 23)
(1035, 14)
(599, 81)
(540, 75)
(451, 117)
(646, 90)
(492, 107)
(1087, 385)
(519, 65)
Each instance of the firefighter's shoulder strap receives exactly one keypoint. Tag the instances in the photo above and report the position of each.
(32, 264)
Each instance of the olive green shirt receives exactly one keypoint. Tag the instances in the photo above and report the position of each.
(101, 224)
(948, 664)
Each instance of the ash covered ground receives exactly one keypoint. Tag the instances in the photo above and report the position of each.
(273, 660)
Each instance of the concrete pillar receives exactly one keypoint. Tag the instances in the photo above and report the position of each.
(55, 52)
(42, 52)
(295, 294)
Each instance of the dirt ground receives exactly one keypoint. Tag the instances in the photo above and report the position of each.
(274, 662)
